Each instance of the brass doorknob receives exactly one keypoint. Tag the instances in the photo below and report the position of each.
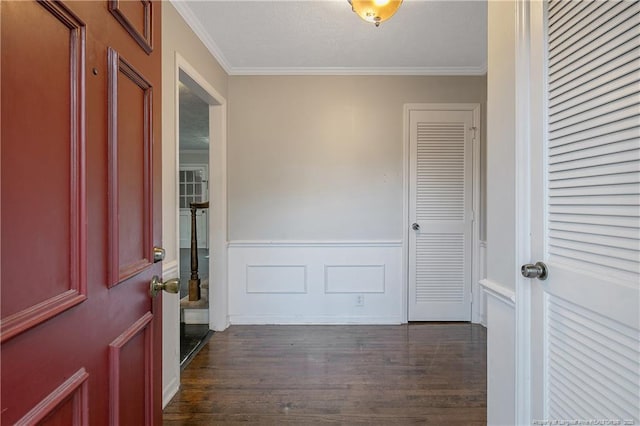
(170, 286)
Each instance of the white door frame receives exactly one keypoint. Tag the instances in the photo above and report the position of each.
(475, 243)
(218, 240)
(526, 128)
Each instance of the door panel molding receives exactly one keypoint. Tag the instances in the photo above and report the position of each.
(117, 271)
(116, 347)
(143, 36)
(75, 390)
(76, 292)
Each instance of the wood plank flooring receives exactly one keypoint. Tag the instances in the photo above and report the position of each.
(424, 373)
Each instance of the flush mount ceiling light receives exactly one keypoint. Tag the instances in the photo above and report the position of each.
(375, 11)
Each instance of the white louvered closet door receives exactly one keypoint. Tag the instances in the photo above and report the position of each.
(587, 224)
(441, 206)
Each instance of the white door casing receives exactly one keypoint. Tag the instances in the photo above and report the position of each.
(584, 349)
(441, 204)
(218, 239)
(218, 290)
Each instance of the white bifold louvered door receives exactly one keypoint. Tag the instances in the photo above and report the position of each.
(586, 217)
(440, 215)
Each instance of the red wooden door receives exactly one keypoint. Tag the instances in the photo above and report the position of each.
(80, 170)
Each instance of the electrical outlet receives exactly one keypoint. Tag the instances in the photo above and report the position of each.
(360, 300)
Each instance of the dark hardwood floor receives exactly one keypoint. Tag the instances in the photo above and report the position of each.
(424, 373)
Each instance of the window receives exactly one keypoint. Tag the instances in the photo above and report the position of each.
(193, 186)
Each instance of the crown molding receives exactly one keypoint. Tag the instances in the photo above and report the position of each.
(194, 23)
(424, 71)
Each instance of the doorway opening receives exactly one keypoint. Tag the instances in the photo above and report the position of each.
(193, 200)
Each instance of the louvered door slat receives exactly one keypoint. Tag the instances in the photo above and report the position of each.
(597, 199)
(595, 141)
(582, 83)
(597, 180)
(598, 190)
(559, 220)
(584, 344)
(630, 123)
(586, 114)
(558, 6)
(592, 211)
(626, 143)
(616, 20)
(589, 160)
(613, 18)
(574, 13)
(625, 84)
(602, 59)
(615, 242)
(557, 130)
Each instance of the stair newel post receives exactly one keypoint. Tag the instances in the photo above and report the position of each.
(194, 281)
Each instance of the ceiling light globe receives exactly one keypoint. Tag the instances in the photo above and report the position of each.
(375, 11)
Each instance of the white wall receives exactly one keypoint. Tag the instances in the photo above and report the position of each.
(177, 37)
(316, 178)
(320, 157)
(501, 135)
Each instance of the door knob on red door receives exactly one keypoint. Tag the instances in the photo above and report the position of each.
(170, 286)
(158, 254)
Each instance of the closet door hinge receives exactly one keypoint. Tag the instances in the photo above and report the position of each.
(474, 129)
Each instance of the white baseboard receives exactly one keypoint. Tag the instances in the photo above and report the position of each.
(313, 320)
(312, 244)
(224, 326)
(195, 316)
(170, 390)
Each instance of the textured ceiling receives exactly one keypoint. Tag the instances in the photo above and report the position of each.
(326, 37)
(194, 120)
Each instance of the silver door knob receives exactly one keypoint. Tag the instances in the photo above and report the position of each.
(539, 271)
(170, 286)
(158, 254)
(415, 227)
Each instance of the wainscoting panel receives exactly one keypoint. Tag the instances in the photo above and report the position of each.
(354, 278)
(315, 282)
(276, 279)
